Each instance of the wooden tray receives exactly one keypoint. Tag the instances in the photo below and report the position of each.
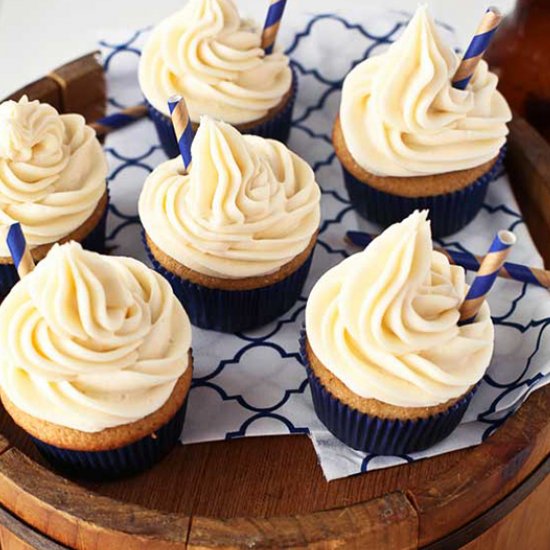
(269, 492)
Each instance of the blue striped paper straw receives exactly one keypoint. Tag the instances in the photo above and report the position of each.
(182, 127)
(20, 253)
(479, 44)
(516, 272)
(118, 120)
(271, 25)
(486, 275)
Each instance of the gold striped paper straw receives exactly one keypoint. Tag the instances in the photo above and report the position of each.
(19, 250)
(271, 25)
(486, 276)
(476, 49)
(517, 272)
(182, 127)
(118, 120)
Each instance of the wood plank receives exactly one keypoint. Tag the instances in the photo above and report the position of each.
(388, 522)
(526, 527)
(15, 535)
(76, 87)
(79, 519)
(528, 164)
(492, 470)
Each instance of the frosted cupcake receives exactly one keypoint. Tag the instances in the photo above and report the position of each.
(96, 361)
(407, 139)
(390, 369)
(235, 235)
(212, 58)
(52, 181)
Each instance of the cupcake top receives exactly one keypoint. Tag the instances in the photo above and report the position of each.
(401, 116)
(91, 342)
(52, 171)
(207, 54)
(385, 321)
(247, 206)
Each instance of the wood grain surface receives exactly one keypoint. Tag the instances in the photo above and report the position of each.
(270, 492)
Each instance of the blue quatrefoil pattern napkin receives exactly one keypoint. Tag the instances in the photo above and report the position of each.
(253, 384)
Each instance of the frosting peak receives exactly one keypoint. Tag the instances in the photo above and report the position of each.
(385, 321)
(401, 116)
(91, 342)
(207, 54)
(247, 206)
(52, 171)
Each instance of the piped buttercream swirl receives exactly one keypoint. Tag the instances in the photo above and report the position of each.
(401, 116)
(247, 206)
(52, 171)
(91, 342)
(207, 54)
(385, 321)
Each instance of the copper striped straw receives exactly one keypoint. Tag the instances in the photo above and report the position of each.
(19, 250)
(182, 127)
(476, 49)
(486, 276)
(122, 118)
(517, 272)
(271, 25)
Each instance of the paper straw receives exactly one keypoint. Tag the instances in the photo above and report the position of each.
(19, 250)
(182, 127)
(486, 275)
(476, 49)
(118, 120)
(271, 25)
(517, 272)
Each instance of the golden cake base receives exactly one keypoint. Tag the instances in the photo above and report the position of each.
(246, 283)
(416, 186)
(110, 438)
(372, 407)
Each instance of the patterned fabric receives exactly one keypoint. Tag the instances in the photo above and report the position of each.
(253, 383)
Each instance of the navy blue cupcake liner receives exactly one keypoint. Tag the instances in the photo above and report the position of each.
(115, 463)
(277, 127)
(380, 435)
(95, 241)
(234, 310)
(449, 212)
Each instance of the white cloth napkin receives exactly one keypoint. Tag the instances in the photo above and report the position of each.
(253, 384)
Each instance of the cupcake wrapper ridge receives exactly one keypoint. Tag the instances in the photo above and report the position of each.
(449, 212)
(379, 435)
(121, 462)
(234, 310)
(276, 127)
(95, 241)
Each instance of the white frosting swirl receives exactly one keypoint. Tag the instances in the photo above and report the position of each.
(384, 321)
(400, 115)
(52, 171)
(91, 342)
(209, 56)
(247, 206)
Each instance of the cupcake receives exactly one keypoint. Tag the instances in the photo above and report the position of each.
(407, 139)
(52, 181)
(390, 368)
(212, 58)
(96, 361)
(234, 235)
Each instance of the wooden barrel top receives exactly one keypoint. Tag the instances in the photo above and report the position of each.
(269, 491)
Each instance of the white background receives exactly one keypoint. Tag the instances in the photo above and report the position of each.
(39, 35)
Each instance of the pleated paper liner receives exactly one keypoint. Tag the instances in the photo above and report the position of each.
(116, 463)
(277, 127)
(379, 435)
(234, 310)
(449, 212)
(95, 241)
